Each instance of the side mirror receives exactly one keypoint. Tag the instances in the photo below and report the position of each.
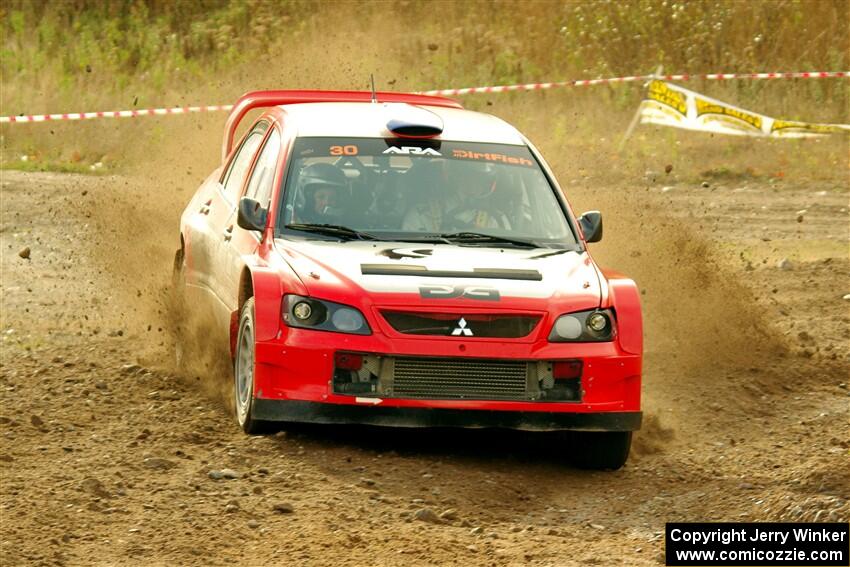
(591, 226)
(251, 215)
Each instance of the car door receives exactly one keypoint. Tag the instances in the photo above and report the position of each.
(235, 241)
(217, 207)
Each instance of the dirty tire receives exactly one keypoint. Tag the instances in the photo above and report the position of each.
(243, 373)
(178, 304)
(599, 450)
(186, 355)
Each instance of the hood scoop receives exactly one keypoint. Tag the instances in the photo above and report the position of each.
(422, 271)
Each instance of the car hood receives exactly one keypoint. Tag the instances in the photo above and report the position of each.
(389, 272)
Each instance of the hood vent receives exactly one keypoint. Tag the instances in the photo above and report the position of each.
(422, 271)
(407, 121)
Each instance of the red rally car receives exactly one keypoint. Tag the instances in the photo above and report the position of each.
(394, 259)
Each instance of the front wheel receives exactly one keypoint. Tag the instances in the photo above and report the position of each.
(600, 450)
(243, 373)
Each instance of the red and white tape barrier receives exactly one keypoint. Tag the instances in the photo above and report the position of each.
(442, 92)
(639, 78)
(115, 113)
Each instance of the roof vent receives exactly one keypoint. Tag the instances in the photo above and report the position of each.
(407, 121)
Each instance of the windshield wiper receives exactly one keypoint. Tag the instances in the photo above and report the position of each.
(480, 237)
(333, 230)
(423, 238)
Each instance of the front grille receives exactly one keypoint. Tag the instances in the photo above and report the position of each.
(459, 379)
(504, 326)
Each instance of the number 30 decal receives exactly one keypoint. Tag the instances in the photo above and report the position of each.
(343, 150)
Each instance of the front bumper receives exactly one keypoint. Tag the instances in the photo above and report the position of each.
(294, 382)
(314, 412)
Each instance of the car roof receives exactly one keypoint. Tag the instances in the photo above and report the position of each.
(369, 120)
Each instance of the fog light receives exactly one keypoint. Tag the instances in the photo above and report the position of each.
(347, 320)
(597, 322)
(302, 310)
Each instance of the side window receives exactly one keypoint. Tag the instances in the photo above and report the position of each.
(260, 186)
(240, 164)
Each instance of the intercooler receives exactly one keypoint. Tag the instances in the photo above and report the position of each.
(439, 378)
(459, 379)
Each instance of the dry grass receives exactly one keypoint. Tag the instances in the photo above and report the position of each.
(105, 54)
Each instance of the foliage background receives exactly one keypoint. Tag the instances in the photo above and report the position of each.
(80, 55)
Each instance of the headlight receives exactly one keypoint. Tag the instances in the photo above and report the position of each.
(302, 310)
(347, 320)
(309, 313)
(584, 326)
(597, 322)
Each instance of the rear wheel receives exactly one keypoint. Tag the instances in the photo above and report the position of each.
(243, 373)
(178, 312)
(600, 450)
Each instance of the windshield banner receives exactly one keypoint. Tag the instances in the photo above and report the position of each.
(670, 105)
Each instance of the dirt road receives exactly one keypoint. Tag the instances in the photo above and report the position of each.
(107, 457)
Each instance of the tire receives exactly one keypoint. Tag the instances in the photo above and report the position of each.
(179, 314)
(177, 274)
(243, 374)
(599, 450)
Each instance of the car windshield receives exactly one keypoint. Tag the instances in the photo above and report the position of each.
(411, 190)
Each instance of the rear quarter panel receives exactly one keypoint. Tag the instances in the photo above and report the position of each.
(208, 185)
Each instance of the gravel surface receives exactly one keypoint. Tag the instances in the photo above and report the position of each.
(108, 456)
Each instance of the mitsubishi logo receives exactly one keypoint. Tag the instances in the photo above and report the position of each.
(461, 329)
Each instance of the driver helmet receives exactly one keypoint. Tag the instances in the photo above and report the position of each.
(321, 186)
